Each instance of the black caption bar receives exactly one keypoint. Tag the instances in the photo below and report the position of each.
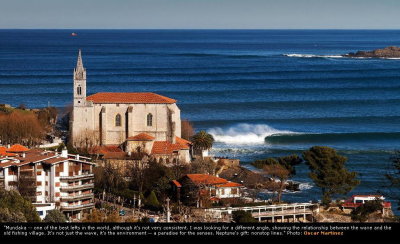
(267, 231)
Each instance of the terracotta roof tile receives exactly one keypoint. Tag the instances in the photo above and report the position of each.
(105, 149)
(3, 152)
(17, 148)
(176, 183)
(206, 179)
(230, 184)
(165, 147)
(184, 143)
(141, 137)
(129, 97)
(55, 160)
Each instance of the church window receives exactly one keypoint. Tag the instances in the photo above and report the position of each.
(149, 120)
(79, 90)
(118, 120)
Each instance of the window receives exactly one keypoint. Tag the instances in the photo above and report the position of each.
(149, 120)
(118, 120)
(79, 90)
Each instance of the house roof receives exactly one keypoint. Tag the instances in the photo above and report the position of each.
(184, 143)
(206, 179)
(3, 152)
(17, 148)
(141, 137)
(211, 180)
(176, 183)
(229, 184)
(165, 147)
(105, 149)
(130, 97)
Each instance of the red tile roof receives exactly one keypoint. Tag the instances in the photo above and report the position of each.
(17, 148)
(3, 152)
(184, 143)
(141, 137)
(211, 180)
(105, 149)
(165, 147)
(55, 160)
(206, 179)
(130, 97)
(176, 183)
(230, 184)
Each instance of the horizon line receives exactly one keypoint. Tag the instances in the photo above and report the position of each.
(200, 28)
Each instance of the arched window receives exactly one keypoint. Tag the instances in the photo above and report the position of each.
(149, 120)
(79, 90)
(118, 120)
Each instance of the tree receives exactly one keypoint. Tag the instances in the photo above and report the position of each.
(328, 172)
(14, 208)
(187, 129)
(363, 212)
(203, 166)
(55, 216)
(242, 216)
(281, 168)
(152, 202)
(280, 172)
(202, 141)
(109, 178)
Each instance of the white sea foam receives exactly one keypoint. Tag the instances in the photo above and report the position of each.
(297, 55)
(245, 133)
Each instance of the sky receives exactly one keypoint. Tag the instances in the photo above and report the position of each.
(199, 14)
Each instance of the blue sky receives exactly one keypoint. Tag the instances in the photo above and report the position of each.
(200, 14)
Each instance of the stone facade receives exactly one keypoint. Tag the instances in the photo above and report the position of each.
(111, 118)
(98, 121)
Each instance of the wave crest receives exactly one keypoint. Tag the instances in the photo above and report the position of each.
(297, 55)
(245, 133)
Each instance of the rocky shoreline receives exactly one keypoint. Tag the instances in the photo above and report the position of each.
(387, 52)
(254, 180)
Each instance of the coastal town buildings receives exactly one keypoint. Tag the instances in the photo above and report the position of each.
(131, 122)
(51, 179)
(201, 188)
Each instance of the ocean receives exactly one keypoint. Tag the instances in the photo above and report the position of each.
(261, 93)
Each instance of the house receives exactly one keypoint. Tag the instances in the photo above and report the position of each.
(201, 188)
(358, 200)
(50, 179)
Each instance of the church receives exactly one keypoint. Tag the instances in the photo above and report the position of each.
(126, 123)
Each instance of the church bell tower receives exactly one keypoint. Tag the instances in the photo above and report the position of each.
(79, 83)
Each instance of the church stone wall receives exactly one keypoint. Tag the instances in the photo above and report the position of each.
(97, 122)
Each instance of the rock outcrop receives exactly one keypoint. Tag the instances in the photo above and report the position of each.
(387, 52)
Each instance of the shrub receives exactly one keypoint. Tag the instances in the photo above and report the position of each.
(55, 216)
(241, 216)
(14, 208)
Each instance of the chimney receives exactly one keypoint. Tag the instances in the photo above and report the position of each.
(64, 153)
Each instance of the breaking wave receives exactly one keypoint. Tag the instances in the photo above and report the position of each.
(245, 133)
(297, 55)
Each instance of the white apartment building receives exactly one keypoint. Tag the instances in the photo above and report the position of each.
(62, 180)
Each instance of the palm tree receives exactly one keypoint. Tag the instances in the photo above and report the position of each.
(202, 141)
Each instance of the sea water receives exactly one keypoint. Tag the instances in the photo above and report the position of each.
(261, 93)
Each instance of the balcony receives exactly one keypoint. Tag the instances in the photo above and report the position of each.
(77, 197)
(77, 177)
(77, 187)
(77, 207)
